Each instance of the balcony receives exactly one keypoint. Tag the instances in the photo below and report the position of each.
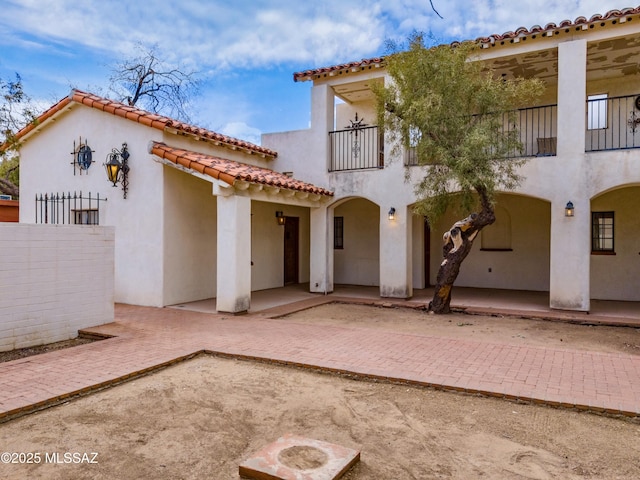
(613, 123)
(537, 131)
(356, 148)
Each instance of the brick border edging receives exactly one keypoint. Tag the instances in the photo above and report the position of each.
(66, 397)
(551, 316)
(83, 392)
(618, 414)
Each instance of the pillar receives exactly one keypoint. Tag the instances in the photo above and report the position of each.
(321, 250)
(570, 256)
(234, 254)
(395, 253)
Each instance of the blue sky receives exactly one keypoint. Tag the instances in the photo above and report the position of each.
(245, 51)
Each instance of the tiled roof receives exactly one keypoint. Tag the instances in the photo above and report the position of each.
(146, 118)
(581, 23)
(230, 171)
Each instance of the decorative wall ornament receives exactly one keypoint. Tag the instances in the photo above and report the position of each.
(355, 126)
(634, 121)
(82, 156)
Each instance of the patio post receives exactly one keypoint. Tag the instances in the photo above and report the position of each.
(233, 254)
(321, 250)
(395, 252)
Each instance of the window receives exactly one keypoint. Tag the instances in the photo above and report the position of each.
(597, 111)
(85, 217)
(338, 233)
(602, 232)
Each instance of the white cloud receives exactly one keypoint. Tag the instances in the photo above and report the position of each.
(260, 33)
(241, 131)
(59, 42)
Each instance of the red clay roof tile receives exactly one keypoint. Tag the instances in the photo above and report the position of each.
(146, 118)
(490, 40)
(230, 171)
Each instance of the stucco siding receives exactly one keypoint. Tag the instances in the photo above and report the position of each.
(190, 238)
(267, 244)
(358, 263)
(523, 266)
(617, 277)
(46, 166)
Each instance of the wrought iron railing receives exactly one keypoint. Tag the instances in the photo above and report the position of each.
(612, 123)
(74, 209)
(357, 148)
(537, 132)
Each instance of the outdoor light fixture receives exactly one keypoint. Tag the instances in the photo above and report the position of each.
(392, 213)
(568, 210)
(280, 218)
(118, 171)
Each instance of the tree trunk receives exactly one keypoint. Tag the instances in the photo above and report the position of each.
(457, 245)
(8, 188)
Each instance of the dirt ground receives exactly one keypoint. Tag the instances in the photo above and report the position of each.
(203, 417)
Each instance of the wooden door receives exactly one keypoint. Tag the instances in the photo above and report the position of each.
(291, 244)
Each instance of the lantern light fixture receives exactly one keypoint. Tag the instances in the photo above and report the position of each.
(280, 218)
(569, 210)
(117, 167)
(392, 213)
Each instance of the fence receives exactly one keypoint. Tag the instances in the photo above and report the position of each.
(56, 208)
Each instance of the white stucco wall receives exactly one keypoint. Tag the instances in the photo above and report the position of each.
(46, 167)
(617, 277)
(358, 263)
(189, 238)
(54, 280)
(524, 267)
(267, 244)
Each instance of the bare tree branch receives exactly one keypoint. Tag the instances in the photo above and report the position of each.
(148, 82)
(434, 9)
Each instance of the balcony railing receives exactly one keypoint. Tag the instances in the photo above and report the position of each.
(357, 148)
(537, 132)
(613, 123)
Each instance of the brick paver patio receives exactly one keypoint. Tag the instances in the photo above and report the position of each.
(145, 339)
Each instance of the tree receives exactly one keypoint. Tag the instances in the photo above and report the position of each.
(150, 83)
(16, 110)
(451, 108)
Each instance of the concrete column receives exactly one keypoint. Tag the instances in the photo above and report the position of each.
(321, 250)
(569, 285)
(234, 254)
(572, 97)
(322, 114)
(570, 255)
(322, 108)
(395, 253)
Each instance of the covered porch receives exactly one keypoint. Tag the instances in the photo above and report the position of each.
(488, 301)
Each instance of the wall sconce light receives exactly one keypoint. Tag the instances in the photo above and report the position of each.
(280, 218)
(118, 171)
(568, 210)
(392, 213)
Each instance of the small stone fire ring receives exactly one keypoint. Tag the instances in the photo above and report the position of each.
(293, 457)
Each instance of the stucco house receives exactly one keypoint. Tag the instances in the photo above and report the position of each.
(207, 215)
(197, 216)
(581, 141)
